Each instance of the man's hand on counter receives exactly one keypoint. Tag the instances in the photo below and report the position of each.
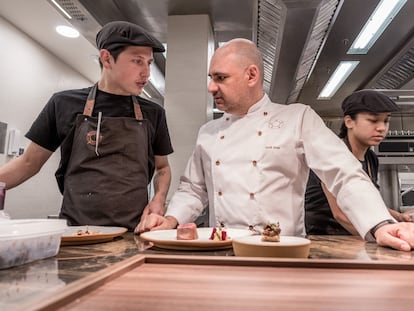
(399, 236)
(155, 222)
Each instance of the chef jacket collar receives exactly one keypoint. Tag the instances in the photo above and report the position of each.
(255, 107)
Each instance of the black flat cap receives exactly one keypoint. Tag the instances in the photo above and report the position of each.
(120, 33)
(368, 101)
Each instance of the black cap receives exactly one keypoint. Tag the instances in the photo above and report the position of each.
(368, 101)
(119, 33)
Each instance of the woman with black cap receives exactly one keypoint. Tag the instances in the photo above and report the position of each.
(366, 120)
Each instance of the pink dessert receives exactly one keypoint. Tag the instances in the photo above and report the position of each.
(187, 232)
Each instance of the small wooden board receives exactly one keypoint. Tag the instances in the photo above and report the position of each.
(167, 282)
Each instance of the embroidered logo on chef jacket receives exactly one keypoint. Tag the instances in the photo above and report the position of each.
(91, 138)
(275, 123)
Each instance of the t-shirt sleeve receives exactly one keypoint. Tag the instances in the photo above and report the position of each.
(43, 130)
(162, 141)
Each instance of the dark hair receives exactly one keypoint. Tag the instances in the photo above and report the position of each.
(115, 53)
(343, 132)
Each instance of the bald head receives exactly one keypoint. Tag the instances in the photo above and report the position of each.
(245, 53)
(236, 76)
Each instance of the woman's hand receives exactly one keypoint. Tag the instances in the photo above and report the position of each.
(405, 216)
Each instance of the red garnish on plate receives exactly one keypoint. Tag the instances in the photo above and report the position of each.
(218, 234)
(213, 233)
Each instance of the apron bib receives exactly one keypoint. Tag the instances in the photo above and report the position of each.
(106, 176)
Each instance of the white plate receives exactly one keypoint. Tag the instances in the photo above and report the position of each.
(100, 234)
(289, 246)
(168, 239)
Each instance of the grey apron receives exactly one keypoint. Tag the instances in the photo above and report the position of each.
(106, 176)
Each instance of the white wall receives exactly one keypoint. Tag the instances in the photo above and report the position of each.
(29, 75)
(187, 102)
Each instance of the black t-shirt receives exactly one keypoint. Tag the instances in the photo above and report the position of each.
(54, 125)
(318, 215)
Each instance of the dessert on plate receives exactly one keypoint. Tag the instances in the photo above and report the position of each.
(187, 231)
(271, 233)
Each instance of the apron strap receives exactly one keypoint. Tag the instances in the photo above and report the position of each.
(90, 102)
(137, 109)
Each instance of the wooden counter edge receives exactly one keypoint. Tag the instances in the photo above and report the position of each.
(87, 284)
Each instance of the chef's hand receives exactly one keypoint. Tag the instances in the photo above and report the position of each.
(398, 236)
(155, 222)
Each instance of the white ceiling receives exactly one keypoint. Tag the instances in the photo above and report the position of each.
(38, 19)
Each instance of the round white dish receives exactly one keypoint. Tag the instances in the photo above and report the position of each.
(288, 247)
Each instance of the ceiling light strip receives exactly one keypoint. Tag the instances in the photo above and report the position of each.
(61, 9)
(336, 80)
(379, 20)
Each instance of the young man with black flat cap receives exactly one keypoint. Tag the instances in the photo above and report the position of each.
(367, 115)
(112, 141)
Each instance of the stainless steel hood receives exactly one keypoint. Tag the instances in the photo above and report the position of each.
(302, 40)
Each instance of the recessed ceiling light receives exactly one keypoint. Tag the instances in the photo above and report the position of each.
(67, 31)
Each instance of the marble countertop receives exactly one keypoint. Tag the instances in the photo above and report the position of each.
(25, 283)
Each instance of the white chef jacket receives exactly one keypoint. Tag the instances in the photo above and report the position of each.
(253, 169)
